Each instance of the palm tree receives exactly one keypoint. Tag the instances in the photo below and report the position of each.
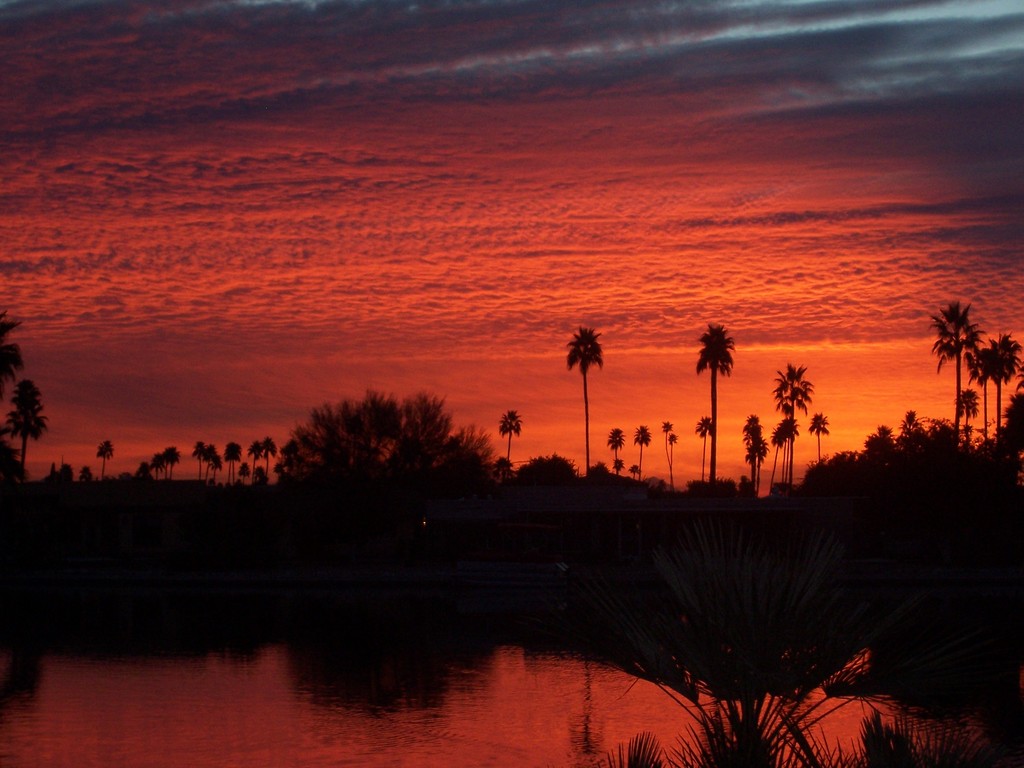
(510, 424)
(969, 409)
(756, 449)
(715, 355)
(171, 456)
(10, 354)
(641, 437)
(104, 451)
(199, 453)
(634, 470)
(243, 471)
(26, 420)
(157, 464)
(981, 367)
(232, 455)
(819, 427)
(1005, 353)
(618, 465)
(702, 431)
(666, 428)
(210, 457)
(269, 450)
(672, 440)
(792, 393)
(782, 435)
(216, 464)
(85, 475)
(956, 336)
(256, 451)
(616, 441)
(585, 351)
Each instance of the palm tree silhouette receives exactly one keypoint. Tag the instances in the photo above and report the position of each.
(1005, 354)
(792, 393)
(756, 449)
(634, 470)
(211, 457)
(511, 424)
(981, 367)
(243, 471)
(819, 427)
(673, 438)
(618, 465)
(104, 451)
(171, 456)
(199, 453)
(783, 434)
(969, 410)
(702, 431)
(10, 353)
(269, 448)
(232, 455)
(956, 336)
(26, 420)
(641, 437)
(715, 355)
(585, 351)
(256, 451)
(617, 441)
(666, 428)
(157, 464)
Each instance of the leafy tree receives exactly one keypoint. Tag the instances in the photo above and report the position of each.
(104, 451)
(641, 437)
(232, 455)
(85, 475)
(819, 427)
(547, 470)
(511, 424)
(585, 351)
(715, 355)
(10, 353)
(617, 441)
(702, 431)
(10, 465)
(956, 336)
(1013, 436)
(26, 420)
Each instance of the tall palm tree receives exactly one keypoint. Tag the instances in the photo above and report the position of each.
(673, 438)
(232, 455)
(666, 429)
(171, 456)
(1005, 353)
(104, 451)
(511, 424)
(792, 393)
(584, 352)
(641, 437)
(616, 441)
(782, 435)
(26, 420)
(157, 464)
(211, 457)
(956, 336)
(269, 451)
(702, 431)
(244, 471)
(819, 427)
(756, 449)
(981, 367)
(715, 355)
(10, 353)
(199, 453)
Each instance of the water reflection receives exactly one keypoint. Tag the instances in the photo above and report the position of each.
(158, 679)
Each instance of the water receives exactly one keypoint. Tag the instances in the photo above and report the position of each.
(152, 680)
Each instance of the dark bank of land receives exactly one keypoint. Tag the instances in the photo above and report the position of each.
(191, 536)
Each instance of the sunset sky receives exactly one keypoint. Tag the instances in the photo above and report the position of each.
(216, 215)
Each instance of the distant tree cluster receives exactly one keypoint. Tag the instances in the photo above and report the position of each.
(25, 420)
(410, 444)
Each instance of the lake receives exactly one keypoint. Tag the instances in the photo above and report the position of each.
(152, 679)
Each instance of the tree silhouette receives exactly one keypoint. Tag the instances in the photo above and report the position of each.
(969, 410)
(511, 424)
(702, 431)
(85, 475)
(756, 449)
(10, 353)
(26, 420)
(956, 336)
(211, 457)
(819, 427)
(641, 437)
(104, 451)
(673, 438)
(585, 351)
(10, 466)
(232, 455)
(792, 393)
(782, 436)
(255, 450)
(634, 471)
(1005, 353)
(715, 355)
(172, 456)
(269, 448)
(199, 452)
(157, 464)
(244, 471)
(618, 465)
(617, 441)
(981, 367)
(666, 429)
